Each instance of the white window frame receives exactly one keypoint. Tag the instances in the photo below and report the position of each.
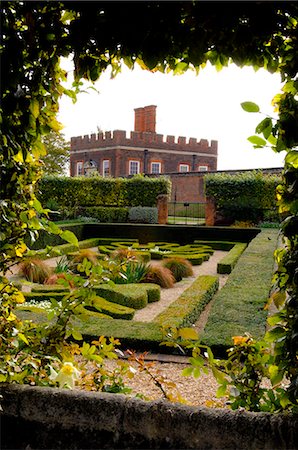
(106, 165)
(137, 167)
(157, 164)
(203, 168)
(79, 168)
(184, 167)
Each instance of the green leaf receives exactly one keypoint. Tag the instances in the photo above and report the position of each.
(187, 371)
(34, 108)
(76, 335)
(257, 141)
(69, 237)
(250, 107)
(292, 159)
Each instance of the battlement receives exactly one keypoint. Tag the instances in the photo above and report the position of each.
(142, 140)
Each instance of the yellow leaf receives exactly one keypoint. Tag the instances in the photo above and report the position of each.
(34, 108)
(55, 125)
(278, 298)
(31, 213)
(20, 249)
(188, 333)
(11, 317)
(19, 297)
(19, 157)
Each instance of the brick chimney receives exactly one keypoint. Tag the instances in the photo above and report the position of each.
(145, 119)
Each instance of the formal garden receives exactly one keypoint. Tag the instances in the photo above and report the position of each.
(87, 312)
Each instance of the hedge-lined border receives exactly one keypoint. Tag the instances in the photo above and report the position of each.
(187, 308)
(228, 262)
(239, 306)
(149, 334)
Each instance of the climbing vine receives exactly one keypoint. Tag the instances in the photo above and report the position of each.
(159, 37)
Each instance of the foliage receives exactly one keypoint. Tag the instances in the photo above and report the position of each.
(35, 270)
(180, 267)
(102, 214)
(185, 310)
(131, 272)
(245, 196)
(239, 306)
(185, 35)
(57, 154)
(228, 262)
(141, 214)
(97, 191)
(159, 275)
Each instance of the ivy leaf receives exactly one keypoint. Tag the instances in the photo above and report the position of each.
(250, 107)
(257, 141)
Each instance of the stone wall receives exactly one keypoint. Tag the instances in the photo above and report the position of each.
(43, 418)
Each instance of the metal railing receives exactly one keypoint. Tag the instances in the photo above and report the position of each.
(187, 213)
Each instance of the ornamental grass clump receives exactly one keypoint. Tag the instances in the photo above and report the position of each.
(35, 270)
(160, 275)
(180, 267)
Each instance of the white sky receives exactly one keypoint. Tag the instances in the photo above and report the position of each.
(204, 106)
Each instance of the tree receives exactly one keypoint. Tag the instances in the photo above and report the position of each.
(163, 36)
(57, 154)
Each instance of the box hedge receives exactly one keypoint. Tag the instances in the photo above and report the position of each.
(244, 196)
(98, 191)
(239, 306)
(187, 308)
(228, 262)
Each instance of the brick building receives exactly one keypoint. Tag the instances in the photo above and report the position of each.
(145, 151)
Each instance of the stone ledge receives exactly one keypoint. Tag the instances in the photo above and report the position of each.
(61, 419)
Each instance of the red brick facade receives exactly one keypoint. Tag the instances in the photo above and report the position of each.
(144, 151)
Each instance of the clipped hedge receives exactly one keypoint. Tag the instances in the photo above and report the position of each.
(239, 306)
(106, 214)
(64, 249)
(112, 309)
(98, 191)
(228, 262)
(193, 258)
(130, 295)
(187, 308)
(244, 196)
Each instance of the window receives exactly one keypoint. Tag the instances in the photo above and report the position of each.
(183, 167)
(155, 167)
(203, 168)
(79, 170)
(106, 168)
(134, 167)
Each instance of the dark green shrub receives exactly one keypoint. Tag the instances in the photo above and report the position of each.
(74, 192)
(142, 214)
(180, 267)
(244, 196)
(106, 214)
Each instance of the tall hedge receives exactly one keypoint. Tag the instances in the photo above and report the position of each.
(98, 191)
(247, 195)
